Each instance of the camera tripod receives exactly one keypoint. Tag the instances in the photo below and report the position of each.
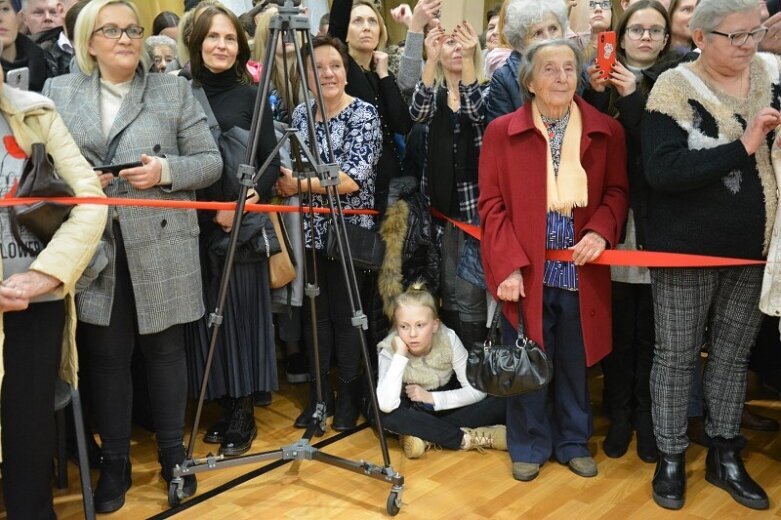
(291, 25)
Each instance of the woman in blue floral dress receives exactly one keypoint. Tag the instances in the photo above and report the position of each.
(354, 128)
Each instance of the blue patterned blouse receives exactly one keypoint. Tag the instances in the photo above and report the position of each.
(560, 233)
(357, 140)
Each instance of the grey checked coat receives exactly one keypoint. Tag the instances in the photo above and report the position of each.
(161, 244)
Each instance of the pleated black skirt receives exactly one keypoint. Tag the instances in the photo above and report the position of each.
(244, 358)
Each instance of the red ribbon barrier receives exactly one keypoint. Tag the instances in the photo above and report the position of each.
(618, 257)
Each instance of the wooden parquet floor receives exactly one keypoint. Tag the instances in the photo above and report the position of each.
(441, 485)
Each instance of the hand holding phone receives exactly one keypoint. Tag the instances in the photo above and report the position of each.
(114, 169)
(606, 52)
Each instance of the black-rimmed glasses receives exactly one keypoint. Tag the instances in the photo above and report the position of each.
(636, 32)
(112, 32)
(739, 38)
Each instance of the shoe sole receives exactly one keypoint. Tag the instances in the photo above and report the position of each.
(751, 504)
(668, 503)
(112, 505)
(244, 448)
(526, 478)
(584, 474)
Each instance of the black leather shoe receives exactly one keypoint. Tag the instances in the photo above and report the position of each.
(113, 483)
(305, 417)
(619, 434)
(168, 459)
(241, 430)
(724, 469)
(669, 483)
(215, 433)
(646, 440)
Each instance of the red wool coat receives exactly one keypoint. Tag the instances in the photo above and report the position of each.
(513, 215)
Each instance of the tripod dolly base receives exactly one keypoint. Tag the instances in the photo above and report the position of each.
(299, 450)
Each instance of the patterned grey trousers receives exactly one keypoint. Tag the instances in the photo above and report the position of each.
(686, 301)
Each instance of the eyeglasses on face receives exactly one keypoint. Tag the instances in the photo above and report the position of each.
(636, 32)
(739, 38)
(604, 4)
(112, 32)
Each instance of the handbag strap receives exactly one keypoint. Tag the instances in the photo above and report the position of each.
(493, 330)
(211, 119)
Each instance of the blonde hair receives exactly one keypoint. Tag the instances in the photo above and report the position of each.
(416, 295)
(85, 27)
(383, 41)
(289, 93)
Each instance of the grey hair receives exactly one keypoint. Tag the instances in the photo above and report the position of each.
(526, 68)
(156, 41)
(709, 14)
(522, 14)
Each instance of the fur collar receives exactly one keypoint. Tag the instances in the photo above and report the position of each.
(679, 89)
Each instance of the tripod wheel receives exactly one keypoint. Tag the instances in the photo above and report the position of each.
(175, 494)
(394, 504)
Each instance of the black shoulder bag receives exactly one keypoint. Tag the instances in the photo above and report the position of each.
(505, 370)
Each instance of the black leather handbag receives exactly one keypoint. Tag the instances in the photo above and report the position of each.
(505, 370)
(39, 179)
(366, 247)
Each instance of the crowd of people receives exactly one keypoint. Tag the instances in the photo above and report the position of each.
(672, 148)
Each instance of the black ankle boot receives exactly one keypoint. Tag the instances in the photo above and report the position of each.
(619, 434)
(669, 484)
(216, 432)
(646, 440)
(168, 459)
(241, 430)
(348, 404)
(305, 417)
(724, 468)
(114, 481)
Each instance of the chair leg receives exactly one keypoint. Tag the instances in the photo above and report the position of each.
(81, 444)
(62, 450)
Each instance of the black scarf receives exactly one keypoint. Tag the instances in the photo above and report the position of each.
(444, 167)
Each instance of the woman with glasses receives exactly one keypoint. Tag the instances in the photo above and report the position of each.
(602, 16)
(151, 287)
(642, 34)
(706, 138)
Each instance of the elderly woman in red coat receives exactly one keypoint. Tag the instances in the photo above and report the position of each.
(553, 176)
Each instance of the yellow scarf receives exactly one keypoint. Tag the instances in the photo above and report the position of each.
(568, 189)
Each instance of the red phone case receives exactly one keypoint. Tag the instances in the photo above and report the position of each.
(606, 51)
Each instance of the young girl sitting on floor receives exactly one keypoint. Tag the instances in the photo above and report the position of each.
(417, 393)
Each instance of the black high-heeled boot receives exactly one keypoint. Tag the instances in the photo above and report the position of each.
(168, 459)
(114, 481)
(724, 469)
(241, 430)
(348, 404)
(646, 440)
(669, 483)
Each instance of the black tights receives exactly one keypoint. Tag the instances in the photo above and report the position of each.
(31, 353)
(334, 327)
(110, 352)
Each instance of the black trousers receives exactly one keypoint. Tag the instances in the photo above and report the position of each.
(110, 352)
(335, 332)
(443, 427)
(31, 353)
(627, 368)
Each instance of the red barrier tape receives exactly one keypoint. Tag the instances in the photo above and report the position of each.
(609, 257)
(175, 204)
